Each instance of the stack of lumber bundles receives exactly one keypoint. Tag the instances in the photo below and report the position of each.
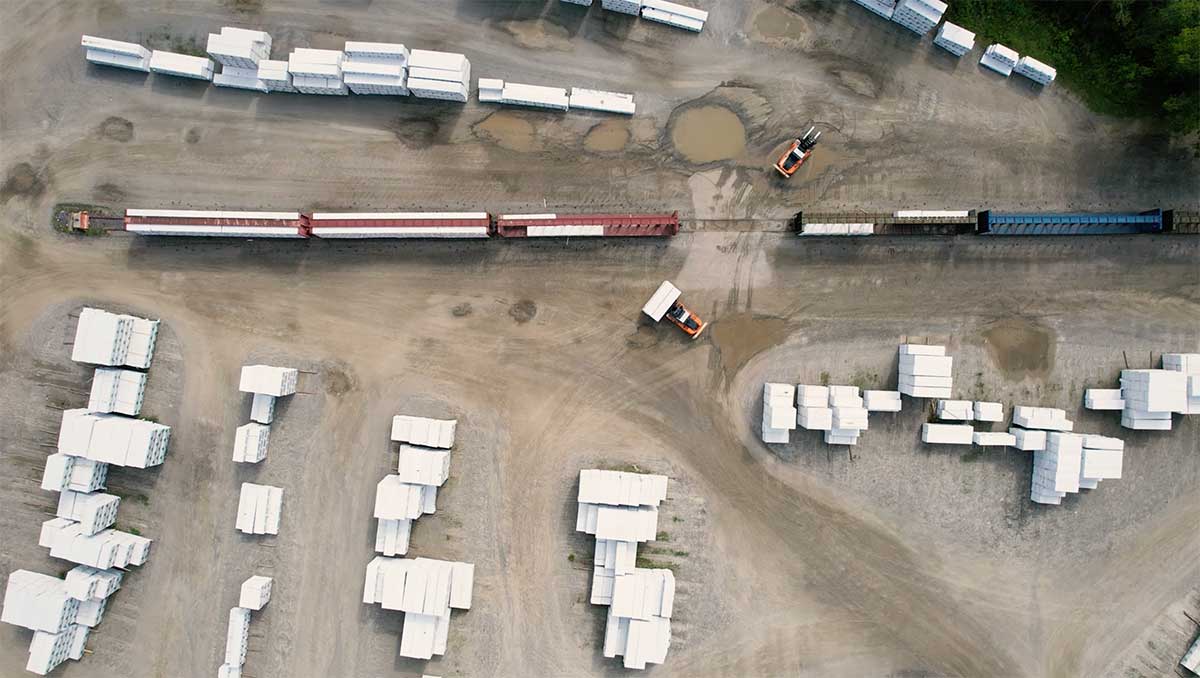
(633, 7)
(239, 51)
(254, 595)
(621, 509)
(954, 39)
(1000, 59)
(1189, 365)
(1102, 460)
(884, 8)
(1103, 399)
(60, 612)
(423, 467)
(919, 16)
(112, 340)
(266, 383)
(1045, 418)
(117, 391)
(64, 472)
(106, 549)
(925, 371)
(779, 415)
(810, 229)
(113, 439)
(1151, 396)
(376, 68)
(947, 434)
(259, 509)
(599, 100)
(317, 71)
(1057, 469)
(425, 590)
(439, 75)
(94, 511)
(879, 401)
(1035, 70)
(275, 76)
(116, 53)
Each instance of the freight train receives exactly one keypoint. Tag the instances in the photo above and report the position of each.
(361, 225)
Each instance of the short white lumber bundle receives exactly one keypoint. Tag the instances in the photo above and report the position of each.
(107, 52)
(259, 509)
(181, 65)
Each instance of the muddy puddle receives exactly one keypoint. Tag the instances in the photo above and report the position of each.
(1020, 348)
(607, 137)
(509, 131)
(857, 82)
(538, 34)
(742, 336)
(708, 133)
(777, 23)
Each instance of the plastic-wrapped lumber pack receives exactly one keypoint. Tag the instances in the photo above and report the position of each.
(884, 8)
(954, 39)
(215, 223)
(116, 53)
(849, 417)
(317, 71)
(117, 391)
(947, 434)
(1103, 399)
(919, 16)
(779, 415)
(536, 96)
(585, 3)
(250, 443)
(955, 410)
(674, 14)
(268, 380)
(1189, 365)
(1035, 70)
(360, 225)
(425, 590)
(878, 401)
(1045, 418)
(439, 75)
(239, 51)
(253, 595)
(837, 229)
(633, 7)
(262, 408)
(1191, 658)
(424, 431)
(113, 439)
(999, 58)
(1027, 440)
(181, 65)
(275, 76)
(113, 340)
(621, 509)
(925, 371)
(94, 511)
(600, 100)
(259, 509)
(64, 472)
(376, 68)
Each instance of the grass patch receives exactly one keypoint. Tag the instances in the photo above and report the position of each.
(571, 557)
(60, 216)
(650, 564)
(824, 378)
(163, 39)
(864, 380)
(142, 499)
(663, 536)
(135, 532)
(676, 519)
(680, 554)
(626, 468)
(149, 418)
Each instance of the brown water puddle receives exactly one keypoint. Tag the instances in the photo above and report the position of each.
(742, 336)
(1020, 348)
(607, 137)
(508, 131)
(777, 23)
(708, 133)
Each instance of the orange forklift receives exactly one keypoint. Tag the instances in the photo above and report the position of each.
(799, 151)
(665, 303)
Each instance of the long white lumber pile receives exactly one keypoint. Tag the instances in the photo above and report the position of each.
(621, 509)
(674, 14)
(181, 65)
(113, 340)
(107, 52)
(259, 509)
(425, 590)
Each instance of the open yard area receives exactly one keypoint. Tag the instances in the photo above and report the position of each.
(898, 559)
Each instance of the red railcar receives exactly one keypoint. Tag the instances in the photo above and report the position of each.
(586, 225)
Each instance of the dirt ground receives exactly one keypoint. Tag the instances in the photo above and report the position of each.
(799, 560)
